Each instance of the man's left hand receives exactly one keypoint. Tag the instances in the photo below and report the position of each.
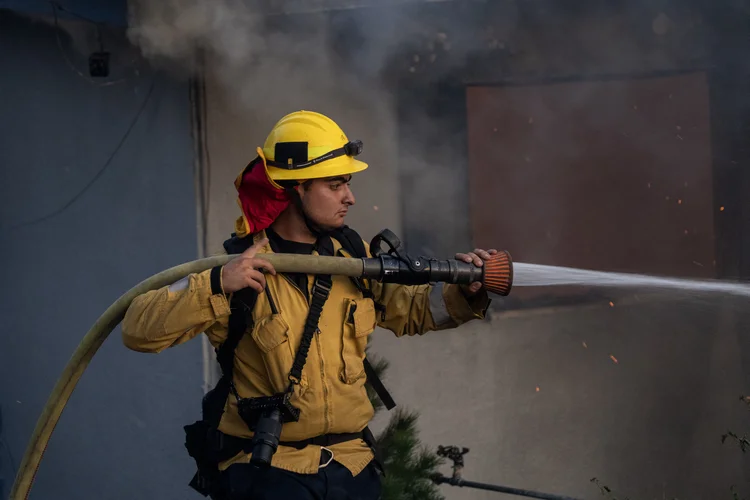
(477, 257)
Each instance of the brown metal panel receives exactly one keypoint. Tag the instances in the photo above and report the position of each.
(609, 175)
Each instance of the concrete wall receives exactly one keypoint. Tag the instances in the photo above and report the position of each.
(118, 215)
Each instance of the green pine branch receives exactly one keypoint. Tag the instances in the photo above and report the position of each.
(409, 466)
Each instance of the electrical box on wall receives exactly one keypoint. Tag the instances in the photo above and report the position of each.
(99, 64)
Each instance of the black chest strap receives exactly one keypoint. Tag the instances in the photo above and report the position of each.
(320, 291)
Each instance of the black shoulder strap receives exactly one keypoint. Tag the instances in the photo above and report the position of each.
(350, 241)
(320, 291)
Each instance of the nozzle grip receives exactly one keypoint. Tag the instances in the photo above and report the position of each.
(455, 271)
(388, 269)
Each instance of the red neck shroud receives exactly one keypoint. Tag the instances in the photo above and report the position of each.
(261, 201)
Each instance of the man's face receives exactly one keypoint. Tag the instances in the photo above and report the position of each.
(326, 201)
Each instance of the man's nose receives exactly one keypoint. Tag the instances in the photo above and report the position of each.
(349, 196)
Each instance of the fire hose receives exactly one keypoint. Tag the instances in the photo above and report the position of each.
(387, 267)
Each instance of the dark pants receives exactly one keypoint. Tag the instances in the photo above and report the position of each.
(334, 482)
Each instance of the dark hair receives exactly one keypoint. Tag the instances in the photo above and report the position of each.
(290, 185)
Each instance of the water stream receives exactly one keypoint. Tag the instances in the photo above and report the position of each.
(541, 275)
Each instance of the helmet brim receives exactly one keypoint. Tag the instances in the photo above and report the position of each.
(343, 165)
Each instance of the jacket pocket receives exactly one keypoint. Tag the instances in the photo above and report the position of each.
(271, 335)
(360, 322)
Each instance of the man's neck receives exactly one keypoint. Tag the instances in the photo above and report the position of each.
(291, 226)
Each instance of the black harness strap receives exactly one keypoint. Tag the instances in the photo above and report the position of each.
(377, 385)
(320, 291)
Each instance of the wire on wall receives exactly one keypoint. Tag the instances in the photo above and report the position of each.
(103, 168)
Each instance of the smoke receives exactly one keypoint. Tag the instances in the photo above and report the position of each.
(346, 64)
(262, 63)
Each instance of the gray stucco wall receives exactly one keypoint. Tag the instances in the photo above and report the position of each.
(120, 436)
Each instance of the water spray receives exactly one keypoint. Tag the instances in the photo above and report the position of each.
(392, 266)
(531, 275)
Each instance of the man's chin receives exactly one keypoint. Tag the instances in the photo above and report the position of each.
(338, 222)
(331, 226)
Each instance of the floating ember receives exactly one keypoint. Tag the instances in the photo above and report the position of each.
(613, 358)
(537, 389)
(611, 304)
(375, 208)
(721, 209)
(585, 346)
(679, 202)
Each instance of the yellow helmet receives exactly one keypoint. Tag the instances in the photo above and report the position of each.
(308, 145)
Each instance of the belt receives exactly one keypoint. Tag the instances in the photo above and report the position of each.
(325, 440)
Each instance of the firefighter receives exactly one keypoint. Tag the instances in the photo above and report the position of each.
(294, 197)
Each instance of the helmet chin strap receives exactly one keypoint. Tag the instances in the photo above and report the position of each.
(314, 228)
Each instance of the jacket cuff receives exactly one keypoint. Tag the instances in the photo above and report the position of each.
(217, 287)
(462, 308)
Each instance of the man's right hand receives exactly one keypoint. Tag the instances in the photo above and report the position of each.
(242, 271)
